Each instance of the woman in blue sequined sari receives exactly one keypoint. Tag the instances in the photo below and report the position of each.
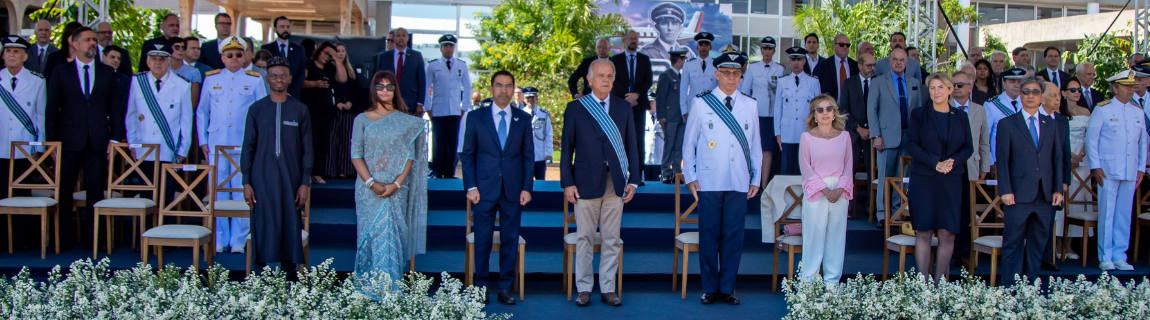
(388, 152)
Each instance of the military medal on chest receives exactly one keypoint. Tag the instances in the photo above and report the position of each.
(141, 118)
(712, 144)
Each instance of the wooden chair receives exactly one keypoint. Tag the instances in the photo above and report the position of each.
(792, 244)
(469, 254)
(305, 236)
(901, 243)
(1086, 219)
(985, 217)
(1141, 216)
(35, 205)
(569, 241)
(182, 235)
(137, 208)
(686, 241)
(227, 208)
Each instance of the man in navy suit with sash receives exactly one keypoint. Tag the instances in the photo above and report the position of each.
(1030, 171)
(295, 53)
(498, 161)
(599, 171)
(409, 69)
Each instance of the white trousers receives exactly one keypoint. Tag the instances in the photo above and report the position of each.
(824, 236)
(230, 232)
(1116, 197)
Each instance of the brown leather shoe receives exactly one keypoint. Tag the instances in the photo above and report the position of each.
(583, 300)
(610, 299)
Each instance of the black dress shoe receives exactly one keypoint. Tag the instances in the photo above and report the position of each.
(730, 299)
(1046, 265)
(506, 298)
(668, 181)
(610, 299)
(880, 224)
(583, 300)
(708, 298)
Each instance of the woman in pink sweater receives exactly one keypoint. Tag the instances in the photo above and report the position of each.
(826, 165)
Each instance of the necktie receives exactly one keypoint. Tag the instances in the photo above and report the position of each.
(962, 107)
(704, 64)
(13, 83)
(631, 72)
(283, 50)
(604, 105)
(866, 89)
(41, 57)
(157, 85)
(1014, 104)
(842, 73)
(1054, 78)
(502, 130)
(399, 66)
(1089, 102)
(796, 81)
(729, 108)
(87, 92)
(901, 100)
(448, 64)
(1033, 132)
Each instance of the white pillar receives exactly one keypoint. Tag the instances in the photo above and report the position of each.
(1092, 8)
(962, 30)
(382, 18)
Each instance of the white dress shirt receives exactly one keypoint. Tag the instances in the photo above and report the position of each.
(91, 73)
(1037, 120)
(506, 117)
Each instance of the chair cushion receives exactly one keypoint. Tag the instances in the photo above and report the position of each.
(790, 240)
(494, 239)
(178, 231)
(572, 239)
(688, 238)
(28, 202)
(990, 241)
(1144, 216)
(126, 203)
(905, 240)
(231, 205)
(1084, 215)
(303, 235)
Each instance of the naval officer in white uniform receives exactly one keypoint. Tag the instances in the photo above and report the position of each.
(541, 132)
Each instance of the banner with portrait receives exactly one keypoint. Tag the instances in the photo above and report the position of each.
(667, 26)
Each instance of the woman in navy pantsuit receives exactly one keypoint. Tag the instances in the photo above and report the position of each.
(939, 143)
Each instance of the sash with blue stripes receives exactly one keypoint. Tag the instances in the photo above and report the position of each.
(609, 129)
(1146, 119)
(158, 115)
(14, 107)
(729, 119)
(1002, 107)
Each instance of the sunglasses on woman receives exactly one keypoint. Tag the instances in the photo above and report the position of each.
(382, 87)
(1073, 90)
(824, 109)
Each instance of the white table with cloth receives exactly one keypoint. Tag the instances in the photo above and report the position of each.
(774, 201)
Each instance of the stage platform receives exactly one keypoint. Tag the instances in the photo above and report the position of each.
(647, 230)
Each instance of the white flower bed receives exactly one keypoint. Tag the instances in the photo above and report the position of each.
(91, 291)
(910, 296)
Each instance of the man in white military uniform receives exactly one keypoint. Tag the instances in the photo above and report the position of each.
(220, 119)
(721, 161)
(792, 104)
(160, 109)
(452, 86)
(1004, 104)
(541, 132)
(1116, 143)
(695, 77)
(761, 82)
(23, 94)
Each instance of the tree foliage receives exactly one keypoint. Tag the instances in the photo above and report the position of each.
(1109, 57)
(992, 43)
(541, 42)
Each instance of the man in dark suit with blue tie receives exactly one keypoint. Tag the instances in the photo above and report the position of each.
(498, 161)
(81, 109)
(295, 53)
(1052, 56)
(1031, 172)
(409, 69)
(633, 81)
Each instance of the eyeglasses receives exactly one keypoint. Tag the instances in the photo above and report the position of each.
(1073, 90)
(824, 109)
(235, 55)
(960, 84)
(383, 87)
(728, 74)
(1032, 92)
(843, 44)
(177, 47)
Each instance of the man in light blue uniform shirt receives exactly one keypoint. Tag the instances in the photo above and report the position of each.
(761, 82)
(792, 104)
(1004, 104)
(697, 74)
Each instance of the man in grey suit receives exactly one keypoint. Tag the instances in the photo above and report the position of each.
(978, 164)
(913, 67)
(669, 116)
(893, 95)
(38, 53)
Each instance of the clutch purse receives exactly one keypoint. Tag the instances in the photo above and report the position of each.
(908, 229)
(792, 230)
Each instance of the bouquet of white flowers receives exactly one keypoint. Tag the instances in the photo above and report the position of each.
(91, 291)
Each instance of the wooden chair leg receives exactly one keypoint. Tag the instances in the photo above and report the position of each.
(994, 267)
(885, 262)
(790, 262)
(675, 270)
(134, 230)
(57, 229)
(108, 220)
(522, 250)
(565, 257)
(196, 256)
(44, 236)
(144, 250)
(248, 259)
(901, 259)
(96, 235)
(1085, 240)
(774, 270)
(1065, 236)
(686, 259)
(10, 246)
(469, 274)
(160, 256)
(619, 274)
(571, 273)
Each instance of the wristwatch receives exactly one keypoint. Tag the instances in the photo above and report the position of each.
(369, 182)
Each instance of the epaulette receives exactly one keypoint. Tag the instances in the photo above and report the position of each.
(692, 59)
(1103, 103)
(748, 96)
(139, 73)
(433, 60)
(212, 73)
(701, 94)
(252, 73)
(37, 74)
(543, 110)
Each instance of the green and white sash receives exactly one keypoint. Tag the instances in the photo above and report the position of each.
(14, 107)
(609, 129)
(733, 125)
(158, 115)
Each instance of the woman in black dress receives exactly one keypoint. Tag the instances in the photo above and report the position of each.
(338, 159)
(318, 95)
(984, 80)
(939, 143)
